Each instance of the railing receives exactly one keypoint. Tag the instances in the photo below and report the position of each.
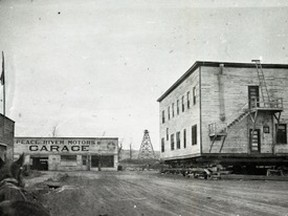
(215, 128)
(275, 103)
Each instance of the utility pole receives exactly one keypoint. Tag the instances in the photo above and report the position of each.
(2, 78)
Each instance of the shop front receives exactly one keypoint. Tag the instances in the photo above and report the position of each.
(66, 153)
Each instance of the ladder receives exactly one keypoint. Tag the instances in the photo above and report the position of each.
(262, 83)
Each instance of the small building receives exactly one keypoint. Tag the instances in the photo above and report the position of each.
(68, 153)
(6, 138)
(227, 113)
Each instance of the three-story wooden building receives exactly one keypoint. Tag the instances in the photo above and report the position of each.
(228, 113)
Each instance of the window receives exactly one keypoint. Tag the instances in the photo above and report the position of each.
(163, 117)
(172, 110)
(162, 145)
(178, 140)
(84, 160)
(107, 161)
(177, 107)
(281, 133)
(169, 113)
(183, 107)
(188, 100)
(167, 133)
(102, 161)
(95, 161)
(172, 141)
(194, 134)
(194, 95)
(184, 138)
(68, 160)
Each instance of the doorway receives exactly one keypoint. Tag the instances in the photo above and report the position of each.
(3, 152)
(39, 163)
(255, 144)
(253, 96)
(95, 161)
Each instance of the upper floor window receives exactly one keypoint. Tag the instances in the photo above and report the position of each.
(172, 110)
(178, 140)
(194, 95)
(281, 137)
(177, 107)
(163, 117)
(188, 100)
(162, 145)
(183, 106)
(194, 134)
(169, 113)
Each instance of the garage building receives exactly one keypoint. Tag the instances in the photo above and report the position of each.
(68, 153)
(6, 138)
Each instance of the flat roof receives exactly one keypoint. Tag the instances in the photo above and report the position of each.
(197, 64)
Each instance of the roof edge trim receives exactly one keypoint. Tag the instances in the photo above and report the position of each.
(215, 64)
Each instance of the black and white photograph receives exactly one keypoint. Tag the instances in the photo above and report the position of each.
(143, 108)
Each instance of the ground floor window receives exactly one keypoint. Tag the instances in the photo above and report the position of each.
(107, 161)
(38, 163)
(68, 160)
(184, 138)
(194, 134)
(162, 145)
(172, 141)
(178, 140)
(84, 160)
(281, 137)
(102, 161)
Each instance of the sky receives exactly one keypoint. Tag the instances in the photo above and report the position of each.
(96, 68)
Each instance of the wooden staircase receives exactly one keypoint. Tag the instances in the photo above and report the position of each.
(215, 132)
(219, 132)
(238, 119)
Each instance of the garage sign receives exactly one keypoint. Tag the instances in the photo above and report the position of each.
(63, 145)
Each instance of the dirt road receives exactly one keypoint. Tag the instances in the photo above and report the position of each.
(148, 194)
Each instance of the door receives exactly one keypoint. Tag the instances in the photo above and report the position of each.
(39, 163)
(255, 144)
(253, 96)
(3, 152)
(95, 161)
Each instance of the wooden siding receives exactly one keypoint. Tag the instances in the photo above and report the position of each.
(185, 120)
(7, 137)
(54, 147)
(235, 82)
